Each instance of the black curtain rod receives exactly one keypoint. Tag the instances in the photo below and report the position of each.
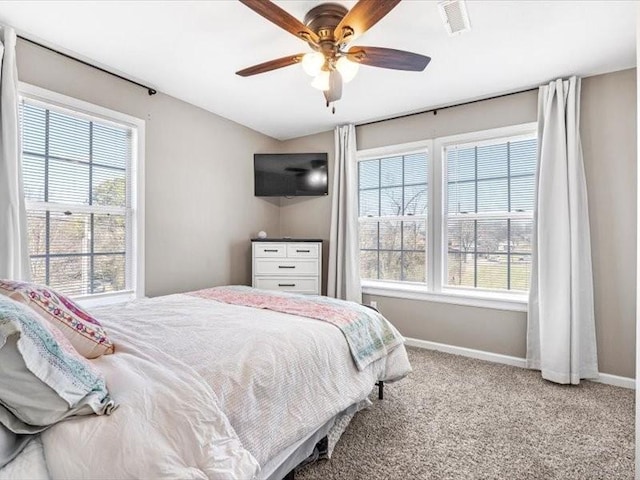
(151, 91)
(435, 110)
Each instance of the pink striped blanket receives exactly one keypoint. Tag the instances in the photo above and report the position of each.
(369, 335)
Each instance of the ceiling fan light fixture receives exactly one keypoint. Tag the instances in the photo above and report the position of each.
(312, 63)
(347, 69)
(321, 82)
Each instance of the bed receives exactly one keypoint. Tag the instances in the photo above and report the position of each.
(208, 389)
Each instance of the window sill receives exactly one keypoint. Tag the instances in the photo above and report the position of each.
(102, 299)
(497, 301)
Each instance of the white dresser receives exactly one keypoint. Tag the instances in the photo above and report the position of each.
(288, 265)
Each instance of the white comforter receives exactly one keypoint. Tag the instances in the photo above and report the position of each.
(168, 424)
(210, 390)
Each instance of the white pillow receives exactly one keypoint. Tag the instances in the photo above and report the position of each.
(42, 378)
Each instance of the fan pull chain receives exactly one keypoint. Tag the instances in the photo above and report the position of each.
(333, 109)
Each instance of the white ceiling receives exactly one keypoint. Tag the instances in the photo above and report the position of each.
(191, 50)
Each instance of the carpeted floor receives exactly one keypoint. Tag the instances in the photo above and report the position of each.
(461, 418)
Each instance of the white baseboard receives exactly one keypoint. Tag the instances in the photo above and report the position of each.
(467, 352)
(617, 381)
(605, 378)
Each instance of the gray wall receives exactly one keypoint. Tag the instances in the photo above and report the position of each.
(200, 208)
(608, 130)
(609, 143)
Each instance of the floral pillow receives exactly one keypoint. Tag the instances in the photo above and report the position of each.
(84, 332)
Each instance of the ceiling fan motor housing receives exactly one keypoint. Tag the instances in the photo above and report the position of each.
(323, 20)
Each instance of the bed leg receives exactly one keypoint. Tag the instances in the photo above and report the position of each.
(291, 475)
(380, 385)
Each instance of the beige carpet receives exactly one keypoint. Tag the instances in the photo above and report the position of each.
(460, 418)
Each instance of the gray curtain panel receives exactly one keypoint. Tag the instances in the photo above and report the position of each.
(561, 337)
(344, 254)
(14, 251)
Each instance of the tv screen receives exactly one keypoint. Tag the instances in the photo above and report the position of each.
(290, 174)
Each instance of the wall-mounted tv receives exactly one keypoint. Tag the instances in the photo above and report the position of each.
(290, 174)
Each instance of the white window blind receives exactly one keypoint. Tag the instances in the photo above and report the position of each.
(77, 183)
(393, 196)
(489, 214)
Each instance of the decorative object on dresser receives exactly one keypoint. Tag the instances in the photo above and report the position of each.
(286, 264)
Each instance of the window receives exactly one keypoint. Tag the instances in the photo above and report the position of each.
(452, 217)
(79, 176)
(393, 217)
(489, 214)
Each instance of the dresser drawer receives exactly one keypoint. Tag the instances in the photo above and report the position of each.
(290, 284)
(267, 250)
(302, 250)
(289, 267)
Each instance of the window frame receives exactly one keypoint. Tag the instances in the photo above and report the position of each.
(435, 289)
(135, 227)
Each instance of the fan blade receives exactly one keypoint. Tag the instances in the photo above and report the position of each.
(364, 15)
(335, 87)
(389, 58)
(281, 18)
(271, 65)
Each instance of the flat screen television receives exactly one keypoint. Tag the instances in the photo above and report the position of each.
(290, 174)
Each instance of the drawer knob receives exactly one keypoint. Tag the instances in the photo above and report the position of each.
(286, 266)
(303, 251)
(286, 284)
(270, 250)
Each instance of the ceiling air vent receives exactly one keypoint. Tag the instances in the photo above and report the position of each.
(455, 17)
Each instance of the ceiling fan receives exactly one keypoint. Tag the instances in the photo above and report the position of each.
(328, 29)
